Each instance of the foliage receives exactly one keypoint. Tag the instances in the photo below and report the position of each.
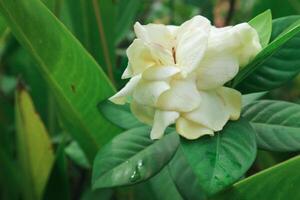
(61, 60)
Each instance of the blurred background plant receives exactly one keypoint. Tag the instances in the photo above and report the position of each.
(104, 28)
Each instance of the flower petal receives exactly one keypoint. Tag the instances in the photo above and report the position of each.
(191, 130)
(183, 96)
(192, 37)
(162, 119)
(158, 34)
(215, 71)
(147, 92)
(121, 96)
(139, 58)
(241, 40)
(143, 113)
(233, 101)
(211, 113)
(160, 72)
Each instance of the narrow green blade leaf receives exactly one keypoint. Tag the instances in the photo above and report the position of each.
(278, 182)
(73, 76)
(93, 23)
(276, 124)
(34, 148)
(127, 11)
(74, 151)
(219, 161)
(132, 157)
(119, 115)
(274, 65)
(58, 180)
(263, 25)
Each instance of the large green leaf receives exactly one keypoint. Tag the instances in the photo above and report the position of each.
(93, 23)
(159, 187)
(263, 25)
(278, 182)
(132, 157)
(126, 13)
(276, 123)
(219, 161)
(34, 148)
(182, 174)
(119, 115)
(73, 76)
(274, 65)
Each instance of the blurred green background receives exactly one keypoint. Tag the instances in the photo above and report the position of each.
(104, 27)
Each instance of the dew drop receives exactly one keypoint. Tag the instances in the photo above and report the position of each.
(135, 176)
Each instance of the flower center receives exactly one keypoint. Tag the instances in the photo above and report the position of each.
(174, 54)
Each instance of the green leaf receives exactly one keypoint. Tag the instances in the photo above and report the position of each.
(274, 65)
(132, 157)
(278, 182)
(182, 174)
(218, 161)
(249, 98)
(34, 148)
(93, 23)
(9, 177)
(159, 187)
(119, 115)
(59, 180)
(76, 154)
(72, 75)
(262, 23)
(126, 11)
(276, 124)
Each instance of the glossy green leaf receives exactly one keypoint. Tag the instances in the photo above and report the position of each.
(249, 98)
(132, 157)
(35, 152)
(274, 65)
(276, 123)
(278, 182)
(182, 174)
(219, 161)
(72, 75)
(263, 25)
(126, 14)
(119, 115)
(159, 187)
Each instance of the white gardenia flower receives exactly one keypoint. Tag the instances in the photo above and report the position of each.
(177, 75)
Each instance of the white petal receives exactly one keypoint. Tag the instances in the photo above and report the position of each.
(191, 130)
(158, 34)
(211, 113)
(183, 96)
(162, 120)
(250, 45)
(139, 58)
(215, 70)
(160, 72)
(147, 92)
(121, 96)
(128, 73)
(192, 37)
(143, 113)
(233, 101)
(240, 40)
